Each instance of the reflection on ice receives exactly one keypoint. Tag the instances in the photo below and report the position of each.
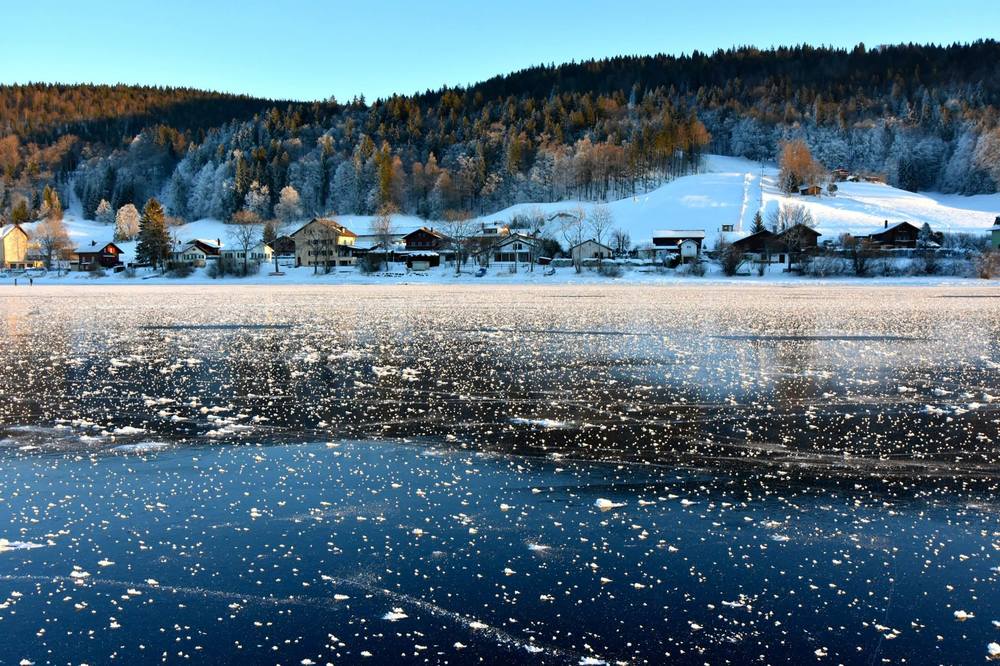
(662, 475)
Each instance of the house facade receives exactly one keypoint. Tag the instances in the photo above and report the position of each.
(14, 247)
(995, 234)
(97, 257)
(191, 254)
(261, 253)
(324, 242)
(590, 250)
(515, 249)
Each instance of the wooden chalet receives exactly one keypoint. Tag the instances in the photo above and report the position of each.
(810, 190)
(899, 235)
(799, 237)
(98, 256)
(283, 246)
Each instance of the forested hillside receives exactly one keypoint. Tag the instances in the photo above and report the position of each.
(924, 116)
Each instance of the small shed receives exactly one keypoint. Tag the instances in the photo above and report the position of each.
(590, 250)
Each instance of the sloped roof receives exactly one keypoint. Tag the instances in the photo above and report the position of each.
(883, 230)
(6, 229)
(591, 240)
(341, 229)
(679, 233)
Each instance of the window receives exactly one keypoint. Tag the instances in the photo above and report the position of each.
(727, 227)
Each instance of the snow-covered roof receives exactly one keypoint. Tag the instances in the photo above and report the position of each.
(6, 229)
(210, 243)
(679, 233)
(995, 227)
(590, 240)
(890, 228)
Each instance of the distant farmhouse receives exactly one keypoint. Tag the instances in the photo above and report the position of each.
(899, 235)
(680, 244)
(324, 242)
(778, 248)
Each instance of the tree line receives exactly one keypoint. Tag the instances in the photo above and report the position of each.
(924, 116)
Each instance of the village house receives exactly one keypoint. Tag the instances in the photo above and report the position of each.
(258, 254)
(674, 244)
(426, 248)
(97, 257)
(810, 190)
(284, 248)
(760, 247)
(589, 251)
(324, 242)
(14, 247)
(196, 253)
(778, 248)
(899, 235)
(995, 234)
(515, 249)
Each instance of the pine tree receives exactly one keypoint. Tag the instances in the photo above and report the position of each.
(154, 241)
(21, 213)
(758, 223)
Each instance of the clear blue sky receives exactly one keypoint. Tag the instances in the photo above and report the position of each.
(312, 49)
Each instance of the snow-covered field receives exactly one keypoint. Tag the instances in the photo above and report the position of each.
(729, 193)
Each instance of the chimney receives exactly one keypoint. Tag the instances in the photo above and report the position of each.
(885, 225)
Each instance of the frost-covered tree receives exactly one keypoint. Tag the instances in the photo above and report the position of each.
(52, 239)
(258, 200)
(104, 213)
(126, 223)
(289, 206)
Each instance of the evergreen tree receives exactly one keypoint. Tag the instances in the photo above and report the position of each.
(154, 241)
(758, 223)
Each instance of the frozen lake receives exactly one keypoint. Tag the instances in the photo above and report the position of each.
(704, 474)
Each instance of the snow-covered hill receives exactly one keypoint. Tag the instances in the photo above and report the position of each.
(729, 192)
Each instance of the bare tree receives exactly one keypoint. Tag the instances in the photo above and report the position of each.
(52, 239)
(323, 237)
(787, 216)
(535, 225)
(461, 230)
(599, 224)
(384, 232)
(246, 237)
(572, 232)
(621, 242)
